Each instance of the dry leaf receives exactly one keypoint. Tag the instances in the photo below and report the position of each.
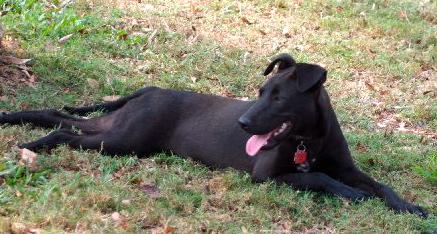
(28, 158)
(35, 231)
(65, 38)
(111, 98)
(245, 20)
(150, 189)
(116, 216)
(152, 36)
(13, 60)
(403, 15)
(93, 83)
(286, 32)
(169, 229)
(125, 202)
(19, 228)
(360, 147)
(262, 32)
(119, 219)
(401, 127)
(120, 172)
(5, 225)
(369, 86)
(194, 79)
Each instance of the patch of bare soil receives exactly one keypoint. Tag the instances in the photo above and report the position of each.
(14, 71)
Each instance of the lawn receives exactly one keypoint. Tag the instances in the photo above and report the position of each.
(381, 57)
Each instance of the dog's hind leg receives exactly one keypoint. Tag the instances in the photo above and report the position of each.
(108, 106)
(48, 119)
(50, 141)
(76, 141)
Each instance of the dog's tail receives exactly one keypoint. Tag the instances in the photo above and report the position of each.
(107, 106)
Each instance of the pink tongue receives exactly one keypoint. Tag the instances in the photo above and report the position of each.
(256, 142)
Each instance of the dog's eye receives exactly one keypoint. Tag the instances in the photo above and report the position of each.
(276, 98)
(261, 91)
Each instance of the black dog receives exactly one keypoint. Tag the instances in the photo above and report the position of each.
(291, 132)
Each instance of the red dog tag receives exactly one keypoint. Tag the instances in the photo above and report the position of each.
(300, 156)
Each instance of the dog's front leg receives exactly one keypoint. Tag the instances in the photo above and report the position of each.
(317, 181)
(358, 179)
(271, 166)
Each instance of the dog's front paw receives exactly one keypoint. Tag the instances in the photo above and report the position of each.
(354, 194)
(405, 207)
(359, 196)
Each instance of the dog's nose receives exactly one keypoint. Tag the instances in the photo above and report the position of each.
(244, 122)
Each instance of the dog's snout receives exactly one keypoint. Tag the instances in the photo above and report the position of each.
(244, 122)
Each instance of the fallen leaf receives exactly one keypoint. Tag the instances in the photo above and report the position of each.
(118, 174)
(152, 36)
(5, 225)
(94, 84)
(401, 127)
(286, 32)
(65, 38)
(403, 15)
(32, 79)
(193, 79)
(28, 158)
(169, 229)
(13, 60)
(203, 228)
(381, 125)
(111, 98)
(369, 86)
(19, 228)
(24, 105)
(245, 20)
(35, 231)
(119, 219)
(360, 147)
(116, 216)
(126, 202)
(150, 189)
(148, 7)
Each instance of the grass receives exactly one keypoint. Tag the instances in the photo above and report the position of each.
(380, 55)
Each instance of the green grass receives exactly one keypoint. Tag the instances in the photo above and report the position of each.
(381, 58)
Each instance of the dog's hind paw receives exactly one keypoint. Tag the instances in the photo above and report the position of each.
(2, 114)
(406, 207)
(23, 146)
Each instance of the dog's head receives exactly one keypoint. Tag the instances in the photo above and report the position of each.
(286, 106)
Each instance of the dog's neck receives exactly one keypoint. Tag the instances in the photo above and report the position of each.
(316, 135)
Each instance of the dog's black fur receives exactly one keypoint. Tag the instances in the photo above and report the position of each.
(209, 129)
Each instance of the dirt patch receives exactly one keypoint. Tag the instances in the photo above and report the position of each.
(15, 70)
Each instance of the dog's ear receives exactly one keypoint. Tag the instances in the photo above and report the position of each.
(310, 76)
(285, 61)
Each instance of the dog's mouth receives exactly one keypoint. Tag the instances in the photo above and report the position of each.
(269, 140)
